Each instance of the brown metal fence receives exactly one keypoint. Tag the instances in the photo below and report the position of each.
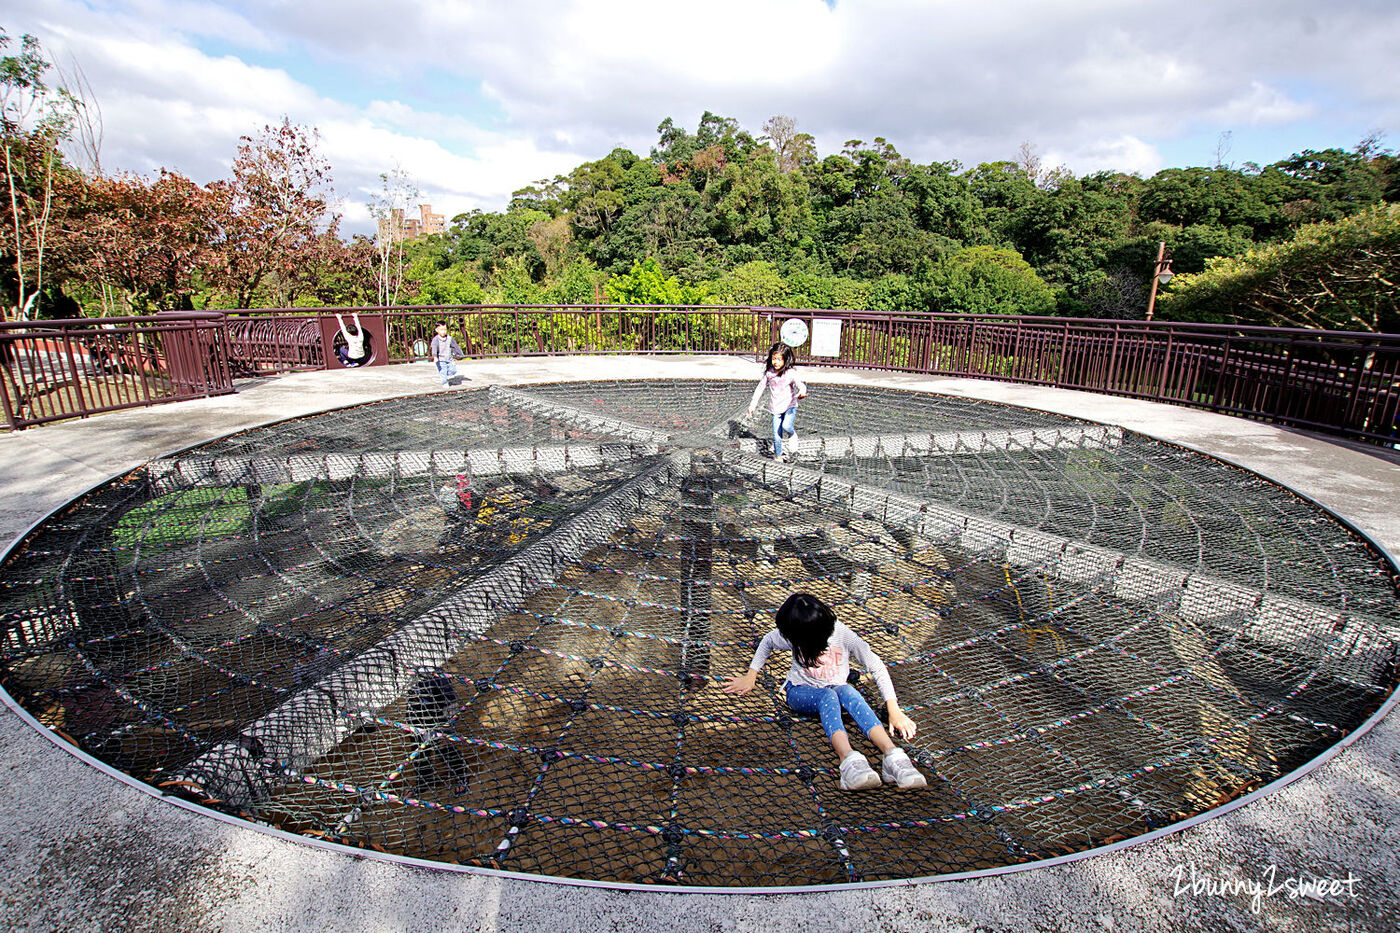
(54, 370)
(283, 340)
(1331, 381)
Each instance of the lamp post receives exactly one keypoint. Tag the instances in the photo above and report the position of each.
(1161, 275)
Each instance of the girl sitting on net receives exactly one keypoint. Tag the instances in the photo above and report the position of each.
(784, 389)
(816, 685)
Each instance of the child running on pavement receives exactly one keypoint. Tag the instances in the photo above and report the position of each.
(784, 389)
(445, 353)
(816, 685)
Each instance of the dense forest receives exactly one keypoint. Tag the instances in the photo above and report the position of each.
(721, 215)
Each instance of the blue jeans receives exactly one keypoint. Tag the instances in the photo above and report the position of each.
(827, 702)
(446, 369)
(784, 425)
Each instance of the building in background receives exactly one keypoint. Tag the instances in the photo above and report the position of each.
(397, 227)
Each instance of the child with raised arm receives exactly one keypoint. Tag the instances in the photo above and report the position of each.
(784, 389)
(816, 685)
(353, 353)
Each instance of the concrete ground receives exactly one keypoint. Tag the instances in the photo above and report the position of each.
(83, 851)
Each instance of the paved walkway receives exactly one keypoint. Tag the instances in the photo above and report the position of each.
(82, 851)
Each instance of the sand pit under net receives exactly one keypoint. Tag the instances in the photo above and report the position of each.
(489, 627)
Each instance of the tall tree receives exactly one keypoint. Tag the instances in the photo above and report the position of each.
(988, 280)
(34, 121)
(388, 207)
(272, 213)
(792, 150)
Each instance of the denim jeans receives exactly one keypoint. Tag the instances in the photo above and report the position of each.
(784, 425)
(827, 702)
(446, 369)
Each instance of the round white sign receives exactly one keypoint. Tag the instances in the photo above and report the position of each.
(794, 332)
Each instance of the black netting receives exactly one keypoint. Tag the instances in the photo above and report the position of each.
(490, 628)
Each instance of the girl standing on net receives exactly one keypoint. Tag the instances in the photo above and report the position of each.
(784, 389)
(816, 685)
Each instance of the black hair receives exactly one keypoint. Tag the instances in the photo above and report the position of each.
(789, 358)
(807, 623)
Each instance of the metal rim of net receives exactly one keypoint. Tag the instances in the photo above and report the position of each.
(642, 441)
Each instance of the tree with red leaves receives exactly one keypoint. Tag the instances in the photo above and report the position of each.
(148, 239)
(271, 216)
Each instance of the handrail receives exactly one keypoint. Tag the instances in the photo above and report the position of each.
(53, 370)
(1339, 382)
(106, 323)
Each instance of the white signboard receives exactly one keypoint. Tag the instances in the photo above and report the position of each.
(826, 336)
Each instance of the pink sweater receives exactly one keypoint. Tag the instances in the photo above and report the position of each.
(783, 390)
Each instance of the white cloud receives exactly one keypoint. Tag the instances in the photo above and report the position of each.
(1096, 83)
(1260, 104)
(167, 104)
(1124, 154)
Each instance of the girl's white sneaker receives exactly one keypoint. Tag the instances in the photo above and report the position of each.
(900, 771)
(856, 773)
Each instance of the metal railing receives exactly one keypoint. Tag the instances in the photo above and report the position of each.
(55, 370)
(289, 339)
(1336, 382)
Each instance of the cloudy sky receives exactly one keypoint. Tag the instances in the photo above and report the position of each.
(475, 99)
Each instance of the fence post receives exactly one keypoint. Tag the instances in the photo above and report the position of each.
(1166, 363)
(73, 370)
(1363, 355)
(1112, 382)
(6, 358)
(1220, 375)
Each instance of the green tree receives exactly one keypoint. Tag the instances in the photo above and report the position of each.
(672, 223)
(1066, 233)
(1006, 194)
(674, 145)
(452, 285)
(809, 290)
(756, 284)
(1255, 205)
(513, 283)
(896, 292)
(1338, 275)
(988, 280)
(867, 207)
(647, 284)
(759, 205)
(943, 204)
(1329, 184)
(580, 283)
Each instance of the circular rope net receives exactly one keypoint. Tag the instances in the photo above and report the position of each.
(489, 628)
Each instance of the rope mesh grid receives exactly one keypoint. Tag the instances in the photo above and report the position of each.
(489, 627)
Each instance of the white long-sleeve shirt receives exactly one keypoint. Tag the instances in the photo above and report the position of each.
(783, 390)
(833, 666)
